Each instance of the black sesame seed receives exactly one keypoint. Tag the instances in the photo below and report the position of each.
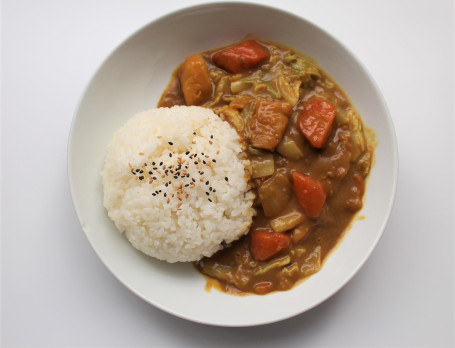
(170, 143)
(207, 182)
(154, 178)
(132, 172)
(226, 178)
(207, 193)
(150, 172)
(170, 154)
(165, 194)
(187, 185)
(166, 184)
(153, 194)
(176, 177)
(214, 160)
(155, 168)
(194, 133)
(193, 179)
(153, 163)
(214, 190)
(141, 171)
(137, 170)
(204, 162)
(195, 162)
(202, 153)
(161, 163)
(201, 172)
(210, 188)
(211, 136)
(210, 200)
(187, 153)
(188, 175)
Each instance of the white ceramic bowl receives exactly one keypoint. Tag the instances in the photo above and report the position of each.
(132, 79)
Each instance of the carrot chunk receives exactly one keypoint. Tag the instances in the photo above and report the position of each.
(195, 80)
(316, 119)
(264, 243)
(310, 194)
(242, 57)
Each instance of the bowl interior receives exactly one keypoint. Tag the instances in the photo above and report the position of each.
(133, 78)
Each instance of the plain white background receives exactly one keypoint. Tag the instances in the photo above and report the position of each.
(56, 292)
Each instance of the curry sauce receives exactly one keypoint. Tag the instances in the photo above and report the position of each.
(309, 156)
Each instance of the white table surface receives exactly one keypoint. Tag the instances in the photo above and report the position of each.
(56, 292)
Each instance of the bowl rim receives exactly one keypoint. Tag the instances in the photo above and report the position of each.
(237, 4)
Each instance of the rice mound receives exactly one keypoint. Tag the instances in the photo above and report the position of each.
(175, 182)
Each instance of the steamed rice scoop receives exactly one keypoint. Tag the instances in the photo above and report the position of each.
(176, 183)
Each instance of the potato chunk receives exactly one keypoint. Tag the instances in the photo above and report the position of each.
(275, 194)
(195, 80)
(268, 123)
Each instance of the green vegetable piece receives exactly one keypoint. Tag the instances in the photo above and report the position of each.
(283, 261)
(289, 149)
(312, 263)
(263, 165)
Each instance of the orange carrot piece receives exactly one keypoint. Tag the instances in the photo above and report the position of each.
(310, 194)
(316, 119)
(265, 243)
(242, 57)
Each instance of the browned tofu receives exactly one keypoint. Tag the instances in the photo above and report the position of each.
(195, 80)
(268, 123)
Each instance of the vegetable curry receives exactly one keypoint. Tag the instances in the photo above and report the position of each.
(308, 151)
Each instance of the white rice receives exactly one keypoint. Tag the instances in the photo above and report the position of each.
(178, 222)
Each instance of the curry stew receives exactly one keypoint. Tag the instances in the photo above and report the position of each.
(309, 156)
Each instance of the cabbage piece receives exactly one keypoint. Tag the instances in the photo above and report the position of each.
(232, 116)
(290, 271)
(219, 90)
(241, 85)
(358, 145)
(303, 67)
(301, 230)
(312, 263)
(283, 261)
(286, 90)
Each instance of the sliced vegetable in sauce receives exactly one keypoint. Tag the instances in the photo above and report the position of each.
(316, 119)
(275, 193)
(310, 194)
(265, 243)
(269, 123)
(242, 57)
(195, 80)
